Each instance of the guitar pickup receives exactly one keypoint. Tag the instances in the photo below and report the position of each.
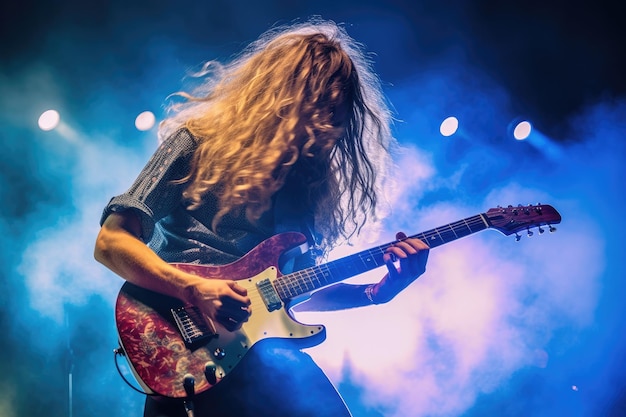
(268, 294)
(194, 329)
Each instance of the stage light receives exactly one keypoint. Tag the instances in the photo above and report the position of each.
(49, 120)
(449, 126)
(145, 121)
(522, 130)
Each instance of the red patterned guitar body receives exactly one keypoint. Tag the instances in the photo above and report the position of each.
(165, 341)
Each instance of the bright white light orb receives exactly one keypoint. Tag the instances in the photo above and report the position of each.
(449, 126)
(49, 120)
(522, 130)
(145, 121)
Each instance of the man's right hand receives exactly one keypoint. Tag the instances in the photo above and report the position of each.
(223, 301)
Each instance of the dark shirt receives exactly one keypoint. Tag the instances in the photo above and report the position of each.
(173, 230)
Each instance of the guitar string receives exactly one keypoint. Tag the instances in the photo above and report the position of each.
(460, 228)
(318, 276)
(299, 281)
(435, 237)
(309, 279)
(315, 277)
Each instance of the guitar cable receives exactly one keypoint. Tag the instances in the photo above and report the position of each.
(188, 383)
(119, 351)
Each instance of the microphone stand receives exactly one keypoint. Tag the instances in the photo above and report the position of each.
(69, 363)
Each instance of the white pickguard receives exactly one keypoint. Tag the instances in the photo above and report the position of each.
(228, 348)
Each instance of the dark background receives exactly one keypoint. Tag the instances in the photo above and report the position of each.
(553, 57)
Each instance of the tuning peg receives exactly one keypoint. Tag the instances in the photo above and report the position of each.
(517, 237)
(552, 228)
(529, 232)
(541, 230)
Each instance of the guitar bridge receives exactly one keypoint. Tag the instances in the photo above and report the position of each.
(192, 326)
(269, 295)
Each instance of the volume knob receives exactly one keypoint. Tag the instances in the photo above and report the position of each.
(219, 353)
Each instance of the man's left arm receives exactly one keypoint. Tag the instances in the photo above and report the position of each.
(411, 255)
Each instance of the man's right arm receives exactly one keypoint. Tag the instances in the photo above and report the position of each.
(119, 248)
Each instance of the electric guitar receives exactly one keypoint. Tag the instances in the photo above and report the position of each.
(167, 343)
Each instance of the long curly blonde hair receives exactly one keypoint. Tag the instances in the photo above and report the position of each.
(300, 106)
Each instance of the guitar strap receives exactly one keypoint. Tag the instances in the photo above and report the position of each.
(288, 218)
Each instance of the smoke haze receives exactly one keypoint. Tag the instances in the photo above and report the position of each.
(494, 327)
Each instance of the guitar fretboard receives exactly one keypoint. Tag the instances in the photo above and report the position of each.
(301, 282)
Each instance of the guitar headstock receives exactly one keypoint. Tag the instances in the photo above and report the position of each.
(509, 220)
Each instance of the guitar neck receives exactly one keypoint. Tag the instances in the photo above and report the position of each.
(301, 282)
